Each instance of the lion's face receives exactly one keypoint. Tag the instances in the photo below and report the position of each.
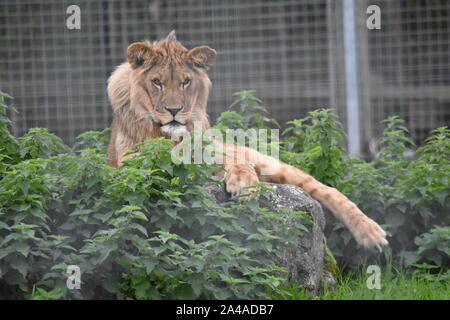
(171, 81)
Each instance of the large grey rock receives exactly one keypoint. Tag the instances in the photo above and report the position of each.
(305, 262)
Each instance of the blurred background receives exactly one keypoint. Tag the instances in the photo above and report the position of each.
(298, 56)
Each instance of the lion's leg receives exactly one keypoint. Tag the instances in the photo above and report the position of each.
(112, 153)
(122, 147)
(239, 171)
(366, 231)
(238, 177)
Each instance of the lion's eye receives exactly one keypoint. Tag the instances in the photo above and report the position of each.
(186, 81)
(157, 82)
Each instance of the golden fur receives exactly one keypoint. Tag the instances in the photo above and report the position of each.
(165, 82)
(140, 107)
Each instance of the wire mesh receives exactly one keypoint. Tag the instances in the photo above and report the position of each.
(290, 52)
(405, 66)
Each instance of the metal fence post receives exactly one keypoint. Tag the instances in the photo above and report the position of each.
(351, 81)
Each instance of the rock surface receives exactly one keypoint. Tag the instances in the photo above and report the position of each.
(305, 263)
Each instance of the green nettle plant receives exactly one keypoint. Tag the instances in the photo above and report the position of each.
(433, 247)
(408, 196)
(250, 114)
(407, 192)
(251, 121)
(313, 144)
(8, 146)
(153, 230)
(149, 230)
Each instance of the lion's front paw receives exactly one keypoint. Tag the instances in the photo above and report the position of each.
(371, 236)
(238, 180)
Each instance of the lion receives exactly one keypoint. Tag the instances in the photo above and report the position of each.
(162, 90)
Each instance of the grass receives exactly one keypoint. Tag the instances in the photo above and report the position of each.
(394, 285)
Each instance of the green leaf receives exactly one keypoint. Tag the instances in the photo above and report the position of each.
(441, 195)
(124, 262)
(165, 236)
(128, 209)
(196, 280)
(23, 226)
(395, 218)
(141, 289)
(60, 266)
(139, 228)
(24, 186)
(80, 212)
(20, 265)
(434, 257)
(23, 248)
(111, 286)
(139, 215)
(173, 213)
(182, 292)
(4, 226)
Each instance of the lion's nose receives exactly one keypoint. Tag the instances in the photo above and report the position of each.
(173, 110)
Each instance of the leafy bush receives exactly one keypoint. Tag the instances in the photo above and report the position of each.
(39, 143)
(409, 196)
(406, 191)
(8, 146)
(433, 247)
(313, 144)
(251, 114)
(149, 230)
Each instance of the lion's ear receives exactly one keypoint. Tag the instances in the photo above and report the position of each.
(202, 57)
(138, 53)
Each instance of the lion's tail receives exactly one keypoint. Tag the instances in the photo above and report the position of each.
(366, 231)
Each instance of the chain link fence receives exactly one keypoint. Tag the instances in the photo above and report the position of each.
(293, 53)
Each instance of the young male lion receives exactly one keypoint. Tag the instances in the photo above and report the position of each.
(162, 90)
